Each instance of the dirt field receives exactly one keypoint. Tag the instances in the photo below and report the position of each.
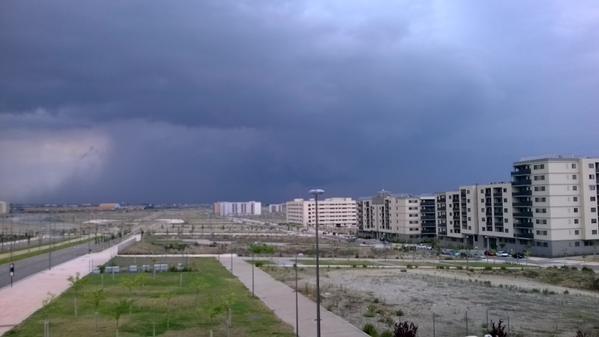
(377, 296)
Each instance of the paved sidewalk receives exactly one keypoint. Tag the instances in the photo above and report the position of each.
(281, 299)
(26, 296)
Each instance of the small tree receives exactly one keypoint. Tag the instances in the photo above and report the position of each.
(76, 286)
(118, 310)
(498, 330)
(405, 329)
(167, 305)
(224, 308)
(96, 298)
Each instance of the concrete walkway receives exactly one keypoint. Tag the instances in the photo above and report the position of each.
(281, 299)
(26, 296)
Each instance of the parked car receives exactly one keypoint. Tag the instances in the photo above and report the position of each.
(518, 255)
(503, 254)
(489, 253)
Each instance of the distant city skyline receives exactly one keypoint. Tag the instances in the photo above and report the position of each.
(229, 100)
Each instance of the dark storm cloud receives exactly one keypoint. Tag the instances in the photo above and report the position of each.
(208, 100)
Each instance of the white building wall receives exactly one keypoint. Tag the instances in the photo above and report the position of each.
(4, 207)
(332, 212)
(227, 208)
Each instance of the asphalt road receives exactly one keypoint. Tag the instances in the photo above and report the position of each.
(32, 265)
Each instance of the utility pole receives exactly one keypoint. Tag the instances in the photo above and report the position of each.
(296, 301)
(316, 193)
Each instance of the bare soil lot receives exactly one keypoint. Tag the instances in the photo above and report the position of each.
(460, 302)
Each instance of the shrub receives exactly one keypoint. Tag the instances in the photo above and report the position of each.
(370, 330)
(440, 267)
(459, 267)
(488, 268)
(370, 311)
(503, 268)
(399, 312)
(405, 329)
(587, 269)
(497, 330)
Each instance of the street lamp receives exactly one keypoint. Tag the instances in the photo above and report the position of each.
(316, 192)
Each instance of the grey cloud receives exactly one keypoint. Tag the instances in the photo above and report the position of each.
(261, 99)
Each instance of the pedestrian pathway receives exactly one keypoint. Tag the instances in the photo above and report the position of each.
(281, 299)
(26, 296)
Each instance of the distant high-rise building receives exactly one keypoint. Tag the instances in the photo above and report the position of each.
(226, 208)
(390, 217)
(276, 208)
(332, 212)
(4, 207)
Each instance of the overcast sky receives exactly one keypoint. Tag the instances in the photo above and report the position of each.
(197, 101)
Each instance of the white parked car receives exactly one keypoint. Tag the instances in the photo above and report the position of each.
(503, 254)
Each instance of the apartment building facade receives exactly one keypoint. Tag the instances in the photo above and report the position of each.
(395, 218)
(227, 208)
(555, 205)
(332, 212)
(477, 216)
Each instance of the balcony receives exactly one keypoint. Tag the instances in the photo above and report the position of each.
(521, 171)
(521, 182)
(524, 235)
(522, 204)
(523, 214)
(522, 192)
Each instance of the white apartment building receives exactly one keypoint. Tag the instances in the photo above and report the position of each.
(332, 212)
(390, 217)
(476, 215)
(4, 207)
(227, 208)
(555, 205)
(276, 208)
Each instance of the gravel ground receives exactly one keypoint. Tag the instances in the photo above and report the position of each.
(452, 296)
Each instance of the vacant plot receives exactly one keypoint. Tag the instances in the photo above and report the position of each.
(461, 301)
(168, 304)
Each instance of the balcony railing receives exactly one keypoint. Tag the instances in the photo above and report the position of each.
(522, 171)
(522, 214)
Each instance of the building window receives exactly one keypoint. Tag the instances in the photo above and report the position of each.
(505, 210)
(576, 221)
(591, 176)
(505, 220)
(594, 232)
(593, 209)
(577, 244)
(593, 220)
(504, 199)
(574, 177)
(574, 198)
(593, 198)
(592, 187)
(573, 166)
(574, 188)
(575, 209)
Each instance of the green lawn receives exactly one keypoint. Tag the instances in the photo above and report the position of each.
(199, 305)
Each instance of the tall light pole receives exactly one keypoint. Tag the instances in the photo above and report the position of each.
(316, 192)
(296, 304)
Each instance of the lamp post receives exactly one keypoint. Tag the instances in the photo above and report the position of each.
(316, 193)
(296, 302)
